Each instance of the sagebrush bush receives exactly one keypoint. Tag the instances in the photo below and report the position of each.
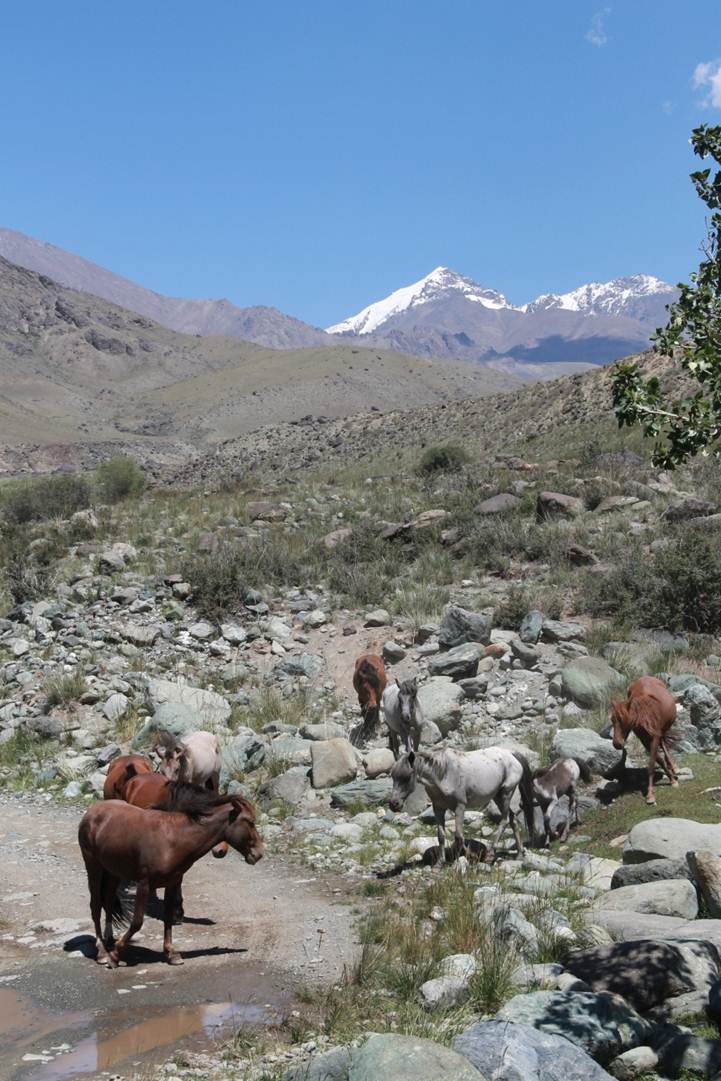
(25, 564)
(119, 478)
(46, 497)
(217, 580)
(63, 690)
(443, 458)
(521, 598)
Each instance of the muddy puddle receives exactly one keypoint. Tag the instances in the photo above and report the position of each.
(62, 1046)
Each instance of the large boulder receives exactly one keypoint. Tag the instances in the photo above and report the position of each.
(461, 662)
(210, 709)
(498, 504)
(242, 752)
(603, 1024)
(173, 717)
(305, 664)
(531, 627)
(334, 762)
(459, 625)
(439, 703)
(330, 1066)
(558, 505)
(634, 874)
(562, 630)
(509, 1052)
(705, 713)
(674, 897)
(670, 838)
(601, 755)
(290, 787)
(362, 793)
(591, 682)
(706, 870)
(646, 972)
(409, 1058)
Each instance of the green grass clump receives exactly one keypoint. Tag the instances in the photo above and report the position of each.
(64, 690)
(446, 457)
(47, 497)
(119, 478)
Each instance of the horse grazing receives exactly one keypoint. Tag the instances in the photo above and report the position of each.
(400, 712)
(195, 759)
(155, 848)
(369, 682)
(549, 785)
(648, 712)
(121, 770)
(455, 780)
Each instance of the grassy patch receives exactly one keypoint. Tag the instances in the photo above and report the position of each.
(64, 690)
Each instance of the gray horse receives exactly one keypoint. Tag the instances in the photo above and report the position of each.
(560, 780)
(455, 780)
(399, 706)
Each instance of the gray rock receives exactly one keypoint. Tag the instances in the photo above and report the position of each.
(531, 627)
(600, 754)
(201, 631)
(498, 504)
(242, 752)
(694, 1054)
(688, 507)
(116, 707)
(602, 1024)
(557, 630)
(461, 662)
(393, 652)
(646, 972)
(672, 897)
(305, 664)
(409, 1058)
(324, 730)
(378, 761)
(634, 874)
(377, 618)
(638, 1062)
(368, 793)
(459, 625)
(558, 505)
(706, 870)
(330, 1066)
(475, 688)
(464, 965)
(140, 634)
(444, 992)
(233, 634)
(524, 653)
(210, 708)
(705, 714)
(512, 1052)
(439, 703)
(289, 787)
(591, 682)
(670, 838)
(334, 762)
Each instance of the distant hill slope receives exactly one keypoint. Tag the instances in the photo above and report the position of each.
(259, 324)
(77, 371)
(446, 314)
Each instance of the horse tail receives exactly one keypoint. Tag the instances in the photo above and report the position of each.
(525, 788)
(371, 675)
(585, 769)
(367, 727)
(120, 910)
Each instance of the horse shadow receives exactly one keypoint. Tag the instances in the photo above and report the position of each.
(141, 955)
(473, 850)
(155, 910)
(624, 780)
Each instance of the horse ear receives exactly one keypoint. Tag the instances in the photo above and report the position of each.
(234, 812)
(398, 682)
(412, 758)
(130, 771)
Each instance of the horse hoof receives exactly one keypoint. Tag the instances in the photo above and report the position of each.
(651, 801)
(175, 959)
(674, 784)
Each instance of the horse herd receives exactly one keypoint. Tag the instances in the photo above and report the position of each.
(155, 823)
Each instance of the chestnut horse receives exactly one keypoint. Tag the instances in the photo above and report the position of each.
(120, 771)
(648, 712)
(155, 848)
(369, 682)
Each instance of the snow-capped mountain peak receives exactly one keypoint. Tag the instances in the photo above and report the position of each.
(602, 298)
(440, 284)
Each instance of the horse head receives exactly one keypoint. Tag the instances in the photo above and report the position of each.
(403, 776)
(173, 757)
(621, 722)
(241, 832)
(407, 696)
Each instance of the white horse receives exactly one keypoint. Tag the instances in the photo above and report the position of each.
(399, 706)
(195, 759)
(455, 780)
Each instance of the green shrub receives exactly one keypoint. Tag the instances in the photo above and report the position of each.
(25, 565)
(447, 457)
(46, 497)
(521, 598)
(119, 478)
(217, 579)
(63, 690)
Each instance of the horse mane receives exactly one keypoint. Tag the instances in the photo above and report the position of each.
(643, 715)
(167, 740)
(437, 762)
(189, 799)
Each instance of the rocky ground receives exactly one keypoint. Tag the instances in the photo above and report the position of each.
(485, 585)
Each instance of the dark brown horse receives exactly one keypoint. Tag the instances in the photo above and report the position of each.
(549, 785)
(369, 682)
(648, 712)
(120, 772)
(120, 842)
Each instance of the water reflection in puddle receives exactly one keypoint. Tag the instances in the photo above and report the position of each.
(99, 1052)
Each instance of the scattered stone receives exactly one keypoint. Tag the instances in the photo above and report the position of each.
(444, 992)
(368, 793)
(706, 870)
(531, 627)
(499, 504)
(439, 703)
(116, 707)
(393, 652)
(672, 897)
(459, 625)
(377, 618)
(558, 630)
(461, 662)
(660, 870)
(558, 505)
(378, 761)
(289, 787)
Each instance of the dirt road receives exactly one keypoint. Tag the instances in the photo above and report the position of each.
(252, 936)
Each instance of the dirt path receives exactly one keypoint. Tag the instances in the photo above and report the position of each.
(251, 937)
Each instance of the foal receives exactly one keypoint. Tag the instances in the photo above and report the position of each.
(369, 683)
(155, 848)
(195, 759)
(648, 712)
(549, 785)
(400, 712)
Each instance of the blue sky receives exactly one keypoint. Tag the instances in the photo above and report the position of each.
(317, 155)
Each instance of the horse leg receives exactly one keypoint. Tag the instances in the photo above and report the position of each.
(546, 807)
(416, 738)
(178, 910)
(670, 767)
(440, 814)
(394, 742)
(95, 877)
(141, 899)
(460, 842)
(652, 756)
(171, 900)
(109, 892)
(516, 831)
(503, 802)
(572, 813)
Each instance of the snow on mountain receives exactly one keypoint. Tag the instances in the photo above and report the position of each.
(607, 298)
(440, 284)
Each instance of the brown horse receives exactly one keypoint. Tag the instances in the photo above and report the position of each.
(120, 772)
(369, 682)
(648, 712)
(155, 848)
(549, 785)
